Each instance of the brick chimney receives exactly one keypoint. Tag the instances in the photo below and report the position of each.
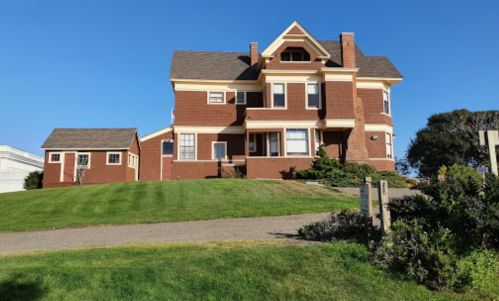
(347, 50)
(254, 53)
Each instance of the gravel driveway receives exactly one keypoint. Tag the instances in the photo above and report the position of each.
(193, 231)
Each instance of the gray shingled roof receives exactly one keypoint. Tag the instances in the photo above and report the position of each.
(62, 138)
(236, 65)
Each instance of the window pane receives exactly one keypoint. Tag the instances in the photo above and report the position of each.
(278, 89)
(297, 141)
(216, 94)
(274, 151)
(219, 150)
(252, 142)
(285, 56)
(313, 89)
(167, 148)
(56, 157)
(240, 97)
(297, 56)
(82, 159)
(278, 100)
(386, 107)
(385, 96)
(313, 100)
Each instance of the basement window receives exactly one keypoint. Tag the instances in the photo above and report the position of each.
(295, 54)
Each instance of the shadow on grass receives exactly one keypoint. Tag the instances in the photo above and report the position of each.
(19, 288)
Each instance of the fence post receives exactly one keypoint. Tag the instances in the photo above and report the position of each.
(383, 206)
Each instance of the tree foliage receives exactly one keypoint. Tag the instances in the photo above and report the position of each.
(34, 180)
(451, 138)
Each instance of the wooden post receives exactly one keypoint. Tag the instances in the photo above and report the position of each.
(366, 203)
(383, 206)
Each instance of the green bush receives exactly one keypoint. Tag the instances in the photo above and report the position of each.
(480, 268)
(346, 224)
(457, 204)
(34, 180)
(332, 172)
(428, 257)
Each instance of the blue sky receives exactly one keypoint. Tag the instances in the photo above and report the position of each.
(106, 63)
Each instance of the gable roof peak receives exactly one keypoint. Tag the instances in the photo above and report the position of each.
(294, 31)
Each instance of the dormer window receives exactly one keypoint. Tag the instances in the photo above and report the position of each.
(295, 54)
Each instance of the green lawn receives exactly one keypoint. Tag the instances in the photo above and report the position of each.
(274, 270)
(147, 202)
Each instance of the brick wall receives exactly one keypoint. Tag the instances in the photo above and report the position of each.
(196, 170)
(339, 100)
(150, 157)
(275, 168)
(383, 164)
(51, 172)
(191, 105)
(333, 142)
(376, 148)
(373, 106)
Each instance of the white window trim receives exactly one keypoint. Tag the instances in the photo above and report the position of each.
(286, 143)
(320, 95)
(321, 141)
(135, 160)
(161, 145)
(285, 96)
(391, 145)
(114, 153)
(195, 146)
(254, 144)
(216, 103)
(245, 100)
(55, 153)
(213, 149)
(389, 104)
(89, 159)
(278, 144)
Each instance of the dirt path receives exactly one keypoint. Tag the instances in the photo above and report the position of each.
(193, 231)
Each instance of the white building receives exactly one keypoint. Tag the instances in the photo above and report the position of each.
(15, 165)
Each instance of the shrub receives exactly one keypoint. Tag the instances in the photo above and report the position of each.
(347, 224)
(457, 204)
(480, 268)
(411, 182)
(332, 172)
(34, 180)
(232, 173)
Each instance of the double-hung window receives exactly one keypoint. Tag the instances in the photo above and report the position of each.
(187, 146)
(297, 142)
(388, 145)
(216, 97)
(313, 96)
(274, 144)
(220, 150)
(279, 95)
(386, 103)
(240, 98)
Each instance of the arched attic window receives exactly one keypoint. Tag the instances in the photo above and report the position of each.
(295, 54)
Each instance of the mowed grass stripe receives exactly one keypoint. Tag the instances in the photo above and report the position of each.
(155, 201)
(211, 271)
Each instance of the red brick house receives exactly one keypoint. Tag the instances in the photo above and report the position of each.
(110, 155)
(266, 113)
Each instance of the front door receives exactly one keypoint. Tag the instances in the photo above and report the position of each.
(167, 168)
(69, 168)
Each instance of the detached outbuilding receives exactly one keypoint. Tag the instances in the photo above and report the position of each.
(109, 155)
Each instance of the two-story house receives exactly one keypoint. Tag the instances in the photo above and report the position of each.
(266, 113)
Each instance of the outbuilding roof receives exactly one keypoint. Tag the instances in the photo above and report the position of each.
(216, 65)
(90, 138)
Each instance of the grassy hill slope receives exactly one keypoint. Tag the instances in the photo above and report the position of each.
(148, 202)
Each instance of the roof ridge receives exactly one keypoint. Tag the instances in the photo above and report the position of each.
(211, 51)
